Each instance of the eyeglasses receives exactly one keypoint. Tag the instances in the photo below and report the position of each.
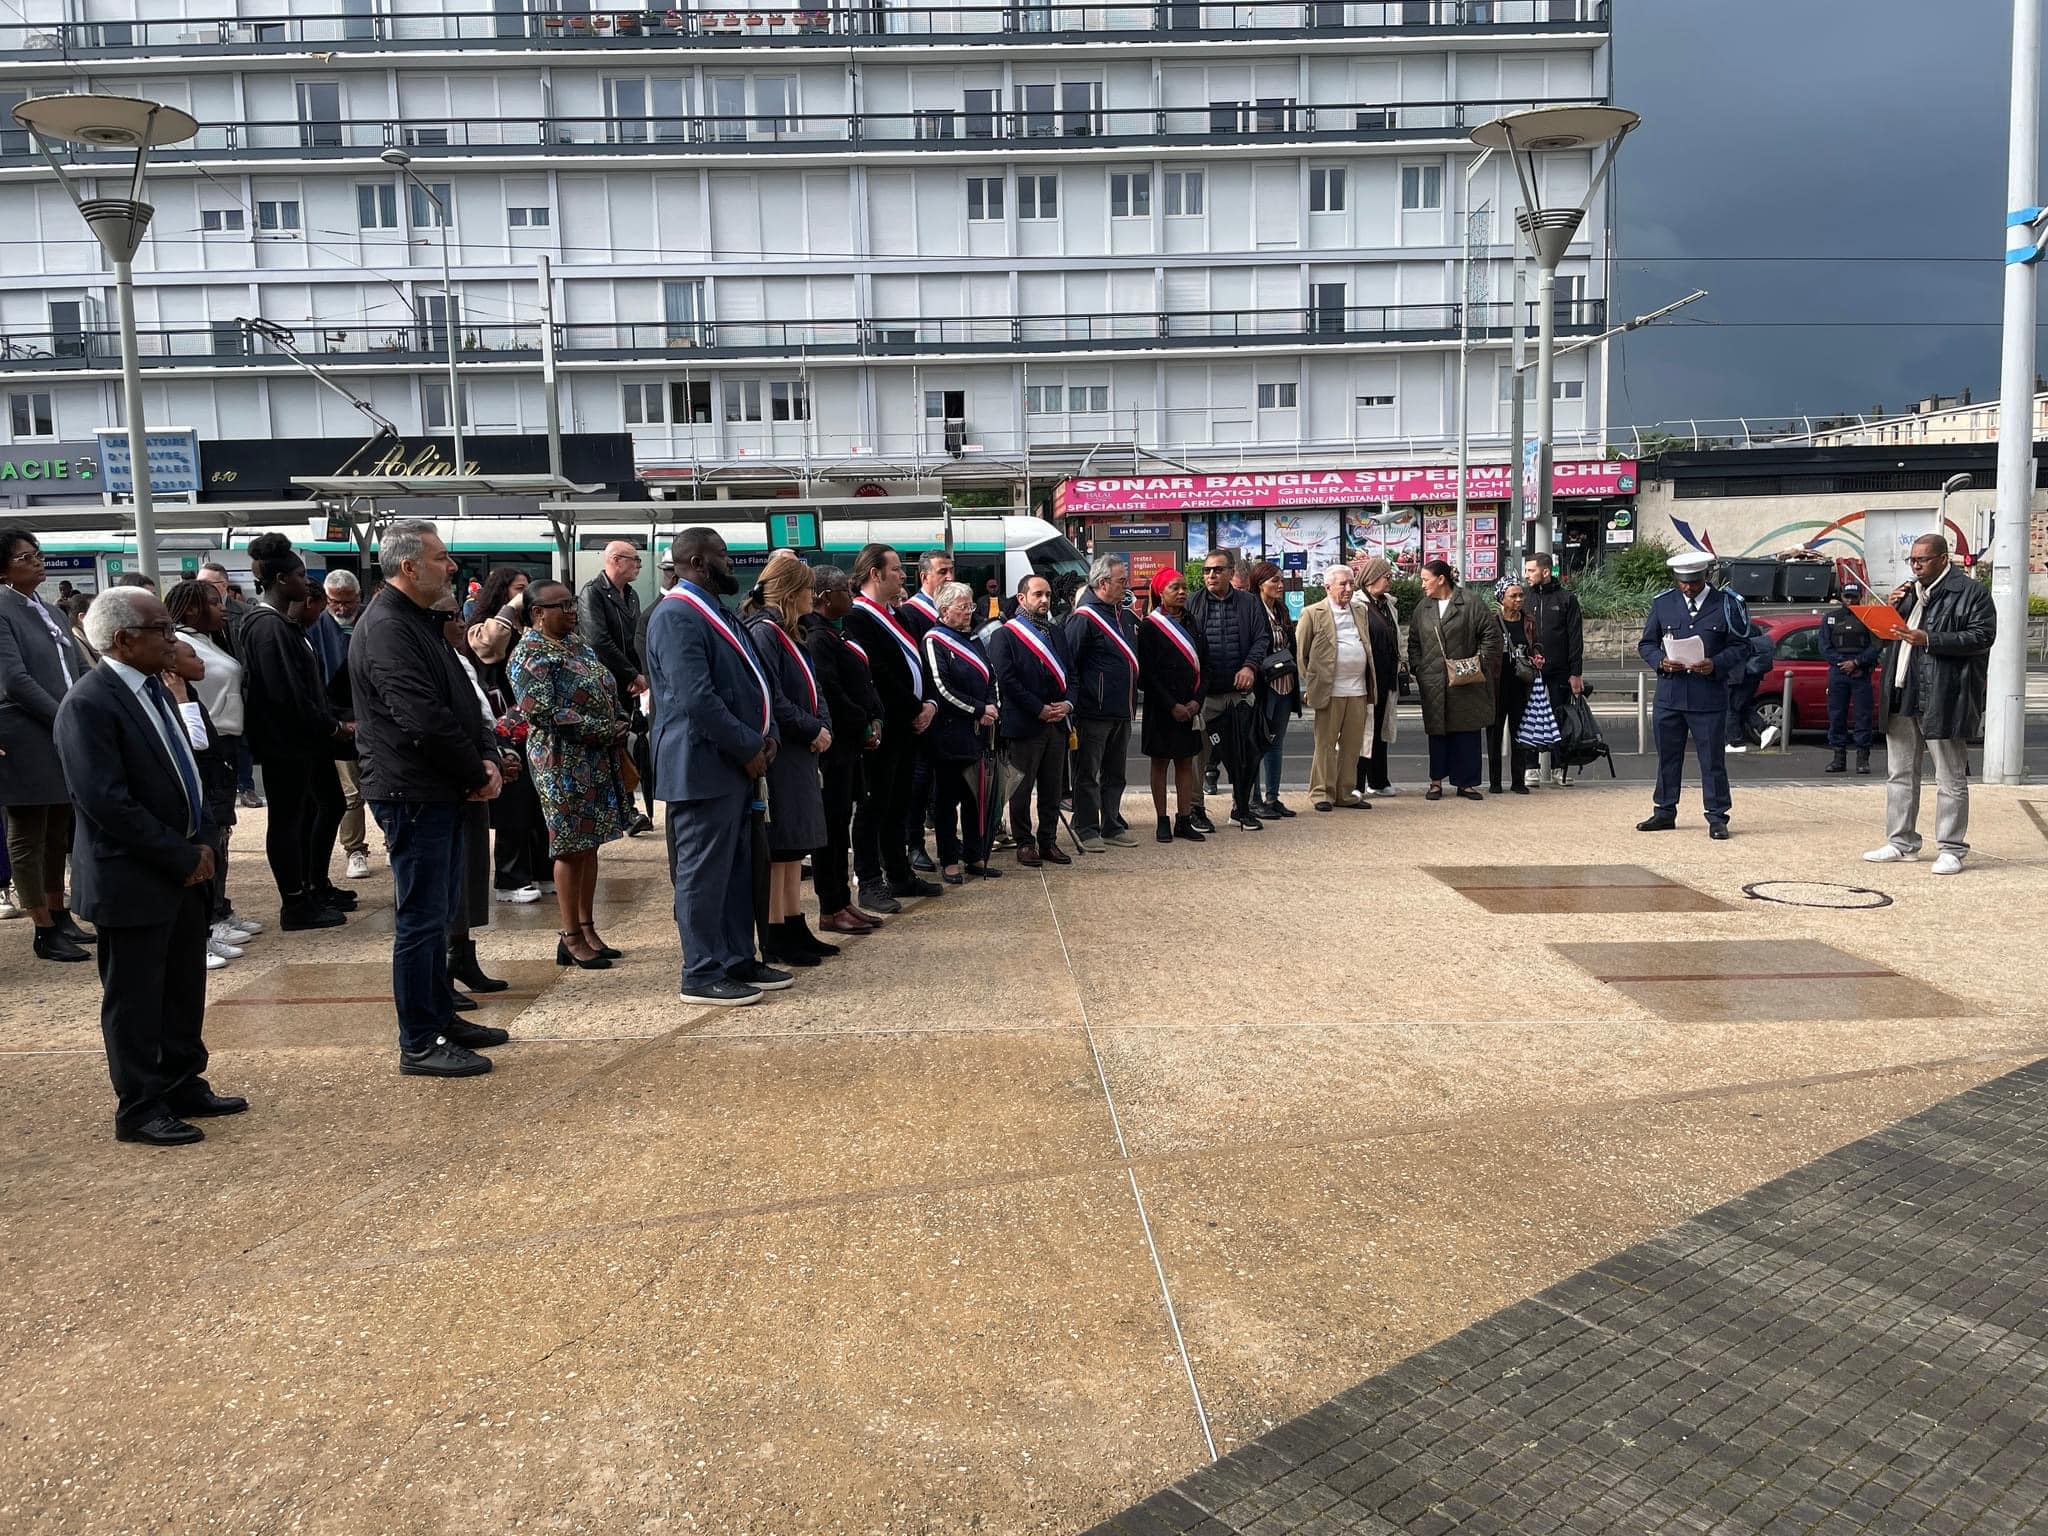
(167, 630)
(24, 556)
(562, 607)
(1215, 570)
(1923, 559)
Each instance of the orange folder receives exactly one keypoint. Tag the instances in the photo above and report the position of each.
(1881, 620)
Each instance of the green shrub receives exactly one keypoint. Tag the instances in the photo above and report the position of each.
(1640, 566)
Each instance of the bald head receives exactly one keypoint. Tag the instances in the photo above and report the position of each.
(621, 563)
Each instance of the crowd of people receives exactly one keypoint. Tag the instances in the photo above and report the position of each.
(824, 726)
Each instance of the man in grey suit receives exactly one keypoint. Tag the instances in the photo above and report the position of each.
(39, 661)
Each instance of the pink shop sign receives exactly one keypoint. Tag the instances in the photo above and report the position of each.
(1115, 495)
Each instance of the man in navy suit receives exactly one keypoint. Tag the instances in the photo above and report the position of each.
(714, 736)
(140, 864)
(1035, 690)
(1692, 696)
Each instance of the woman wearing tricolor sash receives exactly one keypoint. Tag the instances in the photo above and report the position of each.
(1170, 657)
(964, 788)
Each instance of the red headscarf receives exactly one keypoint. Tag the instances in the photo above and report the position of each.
(1163, 578)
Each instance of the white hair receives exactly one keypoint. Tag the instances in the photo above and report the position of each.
(1105, 568)
(402, 542)
(114, 610)
(342, 581)
(951, 593)
(1337, 569)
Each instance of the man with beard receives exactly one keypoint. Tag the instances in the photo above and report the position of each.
(881, 824)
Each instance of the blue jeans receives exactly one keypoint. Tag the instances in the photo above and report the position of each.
(1277, 716)
(424, 842)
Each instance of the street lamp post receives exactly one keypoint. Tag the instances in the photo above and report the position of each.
(1475, 234)
(402, 162)
(118, 223)
(1550, 230)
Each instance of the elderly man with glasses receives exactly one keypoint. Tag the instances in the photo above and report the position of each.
(1237, 636)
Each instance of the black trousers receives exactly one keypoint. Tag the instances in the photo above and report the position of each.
(304, 795)
(840, 774)
(964, 799)
(519, 855)
(152, 1006)
(881, 818)
(641, 746)
(1372, 767)
(1040, 763)
(1506, 711)
(472, 905)
(923, 794)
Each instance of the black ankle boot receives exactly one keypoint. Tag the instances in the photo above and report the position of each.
(799, 936)
(1184, 828)
(463, 967)
(1165, 833)
(1863, 761)
(1839, 763)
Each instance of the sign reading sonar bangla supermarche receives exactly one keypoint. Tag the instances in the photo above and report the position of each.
(1124, 495)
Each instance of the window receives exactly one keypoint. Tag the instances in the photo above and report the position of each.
(277, 215)
(1184, 191)
(527, 218)
(13, 140)
(979, 109)
(1422, 188)
(1375, 402)
(428, 138)
(689, 403)
(1088, 397)
(222, 221)
(774, 100)
(643, 404)
(935, 123)
(1275, 115)
(742, 399)
(430, 205)
(1038, 197)
(1800, 645)
(1130, 195)
(29, 415)
(1279, 397)
(645, 109)
(1044, 399)
(1328, 308)
(789, 400)
(984, 199)
(682, 312)
(1571, 299)
(229, 339)
(319, 114)
(1377, 119)
(1326, 189)
(68, 336)
(1567, 389)
(434, 404)
(376, 205)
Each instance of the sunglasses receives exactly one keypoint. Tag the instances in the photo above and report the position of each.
(1215, 570)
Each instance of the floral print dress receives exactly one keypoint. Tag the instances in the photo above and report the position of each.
(571, 711)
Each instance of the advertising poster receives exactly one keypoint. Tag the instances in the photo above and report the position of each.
(1395, 537)
(1310, 535)
(1246, 534)
(1198, 539)
(1145, 563)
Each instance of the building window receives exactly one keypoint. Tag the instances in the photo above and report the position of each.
(979, 108)
(29, 416)
(1038, 197)
(742, 399)
(278, 216)
(1130, 195)
(1422, 188)
(1571, 299)
(1044, 399)
(643, 404)
(319, 114)
(984, 199)
(789, 400)
(1375, 402)
(1279, 397)
(222, 221)
(689, 403)
(774, 103)
(1567, 389)
(376, 205)
(434, 404)
(1093, 398)
(429, 211)
(1326, 189)
(1183, 193)
(229, 339)
(527, 218)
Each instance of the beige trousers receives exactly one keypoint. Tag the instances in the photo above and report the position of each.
(1340, 728)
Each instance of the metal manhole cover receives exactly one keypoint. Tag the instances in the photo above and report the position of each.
(1817, 893)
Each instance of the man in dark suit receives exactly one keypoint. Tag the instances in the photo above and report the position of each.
(1692, 695)
(1034, 684)
(714, 736)
(140, 864)
(608, 618)
(881, 822)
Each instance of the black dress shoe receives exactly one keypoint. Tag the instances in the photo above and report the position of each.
(873, 898)
(1053, 855)
(1187, 831)
(1275, 808)
(1718, 831)
(52, 943)
(163, 1131)
(638, 825)
(62, 920)
(462, 1004)
(203, 1105)
(922, 861)
(1657, 824)
(444, 1058)
(1322, 805)
(299, 915)
(1470, 794)
(475, 1037)
(914, 887)
(984, 872)
(953, 879)
(335, 897)
(1165, 833)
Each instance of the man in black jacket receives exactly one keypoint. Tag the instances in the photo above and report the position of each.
(608, 618)
(1237, 635)
(140, 867)
(881, 823)
(1103, 638)
(424, 751)
(1933, 683)
(1557, 633)
(1035, 695)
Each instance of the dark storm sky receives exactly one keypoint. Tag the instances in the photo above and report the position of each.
(1815, 128)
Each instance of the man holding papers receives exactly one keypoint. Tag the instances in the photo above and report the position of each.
(1696, 640)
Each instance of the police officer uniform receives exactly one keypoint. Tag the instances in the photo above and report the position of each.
(1852, 701)
(1693, 704)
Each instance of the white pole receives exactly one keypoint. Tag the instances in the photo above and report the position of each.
(2006, 714)
(454, 382)
(138, 437)
(1515, 421)
(1546, 362)
(550, 385)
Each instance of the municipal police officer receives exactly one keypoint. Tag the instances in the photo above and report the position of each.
(1692, 696)
(1851, 653)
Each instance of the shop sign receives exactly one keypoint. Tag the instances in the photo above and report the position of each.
(1113, 495)
(82, 469)
(173, 461)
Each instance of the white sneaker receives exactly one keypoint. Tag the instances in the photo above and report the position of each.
(215, 962)
(1531, 777)
(359, 866)
(547, 888)
(227, 933)
(248, 927)
(1736, 747)
(1948, 864)
(1889, 854)
(520, 895)
(1389, 792)
(225, 951)
(7, 907)
(1770, 735)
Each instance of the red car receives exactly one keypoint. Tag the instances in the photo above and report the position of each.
(1797, 638)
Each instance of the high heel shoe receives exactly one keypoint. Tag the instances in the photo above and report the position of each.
(604, 950)
(566, 956)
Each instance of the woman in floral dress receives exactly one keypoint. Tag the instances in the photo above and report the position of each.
(575, 735)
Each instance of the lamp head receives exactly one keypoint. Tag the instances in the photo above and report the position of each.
(105, 122)
(1955, 483)
(397, 157)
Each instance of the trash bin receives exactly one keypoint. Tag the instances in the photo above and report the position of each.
(1808, 581)
(1754, 581)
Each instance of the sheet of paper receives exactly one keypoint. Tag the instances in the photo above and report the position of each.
(1686, 650)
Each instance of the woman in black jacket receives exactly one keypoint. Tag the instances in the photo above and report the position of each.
(856, 712)
(1279, 679)
(1375, 576)
(1511, 692)
(959, 741)
(1171, 656)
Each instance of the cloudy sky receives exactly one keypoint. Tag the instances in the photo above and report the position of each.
(1830, 128)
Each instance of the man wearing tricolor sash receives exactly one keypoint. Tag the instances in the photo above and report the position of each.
(1103, 638)
(881, 824)
(1034, 685)
(918, 615)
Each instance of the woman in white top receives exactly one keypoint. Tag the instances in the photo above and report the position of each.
(197, 609)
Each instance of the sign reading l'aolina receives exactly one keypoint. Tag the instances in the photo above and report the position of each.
(398, 459)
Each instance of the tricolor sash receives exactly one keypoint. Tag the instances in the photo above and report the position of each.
(1025, 632)
(962, 649)
(925, 601)
(803, 661)
(716, 618)
(859, 650)
(902, 636)
(1115, 633)
(1179, 637)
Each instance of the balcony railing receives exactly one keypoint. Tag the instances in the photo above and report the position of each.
(609, 29)
(757, 132)
(228, 342)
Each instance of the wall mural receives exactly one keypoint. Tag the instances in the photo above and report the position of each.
(1840, 538)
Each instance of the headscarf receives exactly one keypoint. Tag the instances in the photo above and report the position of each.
(781, 579)
(1163, 578)
(1373, 570)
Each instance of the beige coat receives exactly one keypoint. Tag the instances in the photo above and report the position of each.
(1315, 649)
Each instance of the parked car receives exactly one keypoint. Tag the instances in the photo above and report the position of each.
(1796, 637)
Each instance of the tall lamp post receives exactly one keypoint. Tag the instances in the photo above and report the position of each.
(1524, 135)
(402, 161)
(118, 223)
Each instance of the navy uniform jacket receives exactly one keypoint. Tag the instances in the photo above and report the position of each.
(1024, 683)
(711, 706)
(1721, 623)
(1843, 637)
